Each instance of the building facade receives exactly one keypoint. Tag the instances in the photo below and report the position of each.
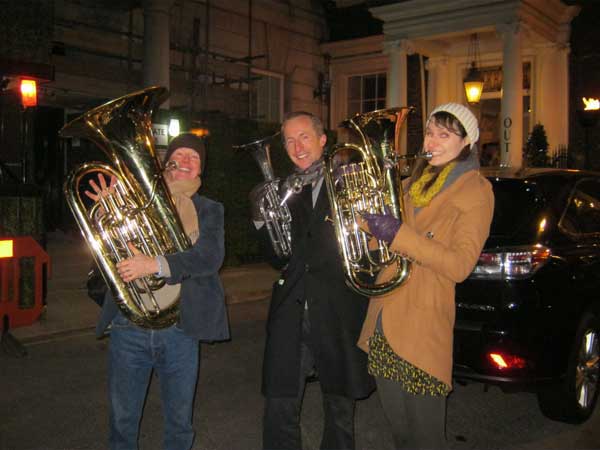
(522, 49)
(249, 59)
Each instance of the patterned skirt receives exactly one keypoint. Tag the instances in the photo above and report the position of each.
(384, 363)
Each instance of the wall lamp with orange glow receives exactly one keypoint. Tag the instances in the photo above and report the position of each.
(28, 90)
(6, 248)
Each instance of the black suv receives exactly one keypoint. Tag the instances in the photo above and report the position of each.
(529, 314)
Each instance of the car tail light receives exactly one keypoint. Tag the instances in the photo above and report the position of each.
(510, 263)
(506, 361)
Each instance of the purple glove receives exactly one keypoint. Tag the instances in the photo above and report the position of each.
(383, 226)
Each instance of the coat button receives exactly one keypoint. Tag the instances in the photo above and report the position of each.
(307, 267)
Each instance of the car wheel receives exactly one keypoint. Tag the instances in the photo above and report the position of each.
(574, 399)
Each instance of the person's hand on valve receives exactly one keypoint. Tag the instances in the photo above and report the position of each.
(382, 226)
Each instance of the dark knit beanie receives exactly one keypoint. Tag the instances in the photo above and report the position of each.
(188, 140)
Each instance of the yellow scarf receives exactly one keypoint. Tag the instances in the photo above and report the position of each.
(182, 191)
(420, 198)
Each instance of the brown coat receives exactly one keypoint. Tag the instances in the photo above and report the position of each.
(444, 241)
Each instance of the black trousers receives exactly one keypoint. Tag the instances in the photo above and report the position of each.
(418, 421)
(281, 424)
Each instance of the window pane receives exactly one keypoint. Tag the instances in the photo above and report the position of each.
(516, 205)
(368, 106)
(266, 103)
(381, 86)
(583, 213)
(366, 93)
(370, 87)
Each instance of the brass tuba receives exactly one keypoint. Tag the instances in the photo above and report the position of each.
(366, 179)
(273, 208)
(139, 211)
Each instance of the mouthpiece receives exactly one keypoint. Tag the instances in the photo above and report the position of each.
(171, 165)
(174, 165)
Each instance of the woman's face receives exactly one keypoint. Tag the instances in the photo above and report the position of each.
(188, 162)
(443, 144)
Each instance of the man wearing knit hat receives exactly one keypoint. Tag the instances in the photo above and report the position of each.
(173, 352)
(189, 141)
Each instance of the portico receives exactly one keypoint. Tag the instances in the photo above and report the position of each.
(524, 47)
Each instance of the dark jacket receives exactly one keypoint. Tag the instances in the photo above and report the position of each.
(314, 274)
(202, 306)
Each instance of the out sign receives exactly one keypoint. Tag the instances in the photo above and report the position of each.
(160, 131)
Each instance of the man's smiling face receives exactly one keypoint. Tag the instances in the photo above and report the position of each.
(302, 143)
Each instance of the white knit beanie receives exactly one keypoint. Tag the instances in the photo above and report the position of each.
(464, 116)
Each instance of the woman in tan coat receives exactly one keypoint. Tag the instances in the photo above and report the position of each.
(408, 333)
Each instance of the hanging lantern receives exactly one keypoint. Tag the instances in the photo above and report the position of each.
(473, 82)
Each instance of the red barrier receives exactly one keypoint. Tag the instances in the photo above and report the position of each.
(25, 250)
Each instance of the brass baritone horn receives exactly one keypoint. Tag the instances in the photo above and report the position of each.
(273, 208)
(365, 179)
(139, 211)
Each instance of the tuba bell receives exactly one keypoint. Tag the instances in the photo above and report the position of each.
(273, 207)
(366, 179)
(139, 211)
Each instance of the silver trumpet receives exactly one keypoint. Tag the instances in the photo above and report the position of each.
(273, 208)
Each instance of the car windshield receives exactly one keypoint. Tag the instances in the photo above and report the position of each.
(517, 203)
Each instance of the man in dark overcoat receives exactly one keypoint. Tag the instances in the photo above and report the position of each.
(314, 318)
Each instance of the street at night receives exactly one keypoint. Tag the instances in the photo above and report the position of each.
(355, 193)
(55, 399)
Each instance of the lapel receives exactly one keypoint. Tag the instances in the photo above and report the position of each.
(321, 208)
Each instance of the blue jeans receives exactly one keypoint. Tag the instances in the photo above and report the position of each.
(134, 353)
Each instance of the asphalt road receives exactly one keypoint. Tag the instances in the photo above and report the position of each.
(55, 399)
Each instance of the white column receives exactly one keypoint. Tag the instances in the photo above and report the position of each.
(551, 95)
(511, 125)
(157, 59)
(437, 82)
(397, 86)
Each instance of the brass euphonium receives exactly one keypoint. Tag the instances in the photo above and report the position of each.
(366, 179)
(273, 208)
(138, 211)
